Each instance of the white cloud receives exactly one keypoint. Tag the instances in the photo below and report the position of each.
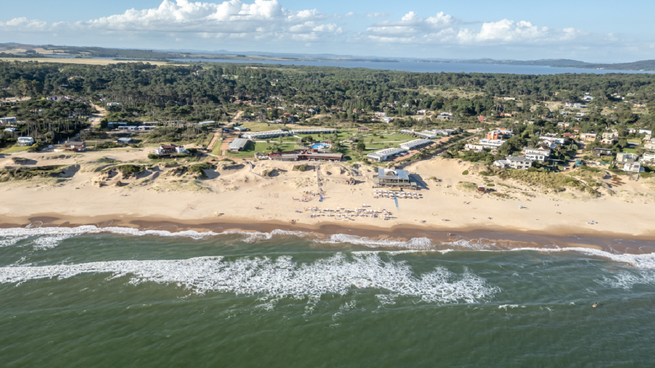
(265, 24)
(378, 15)
(232, 18)
(446, 29)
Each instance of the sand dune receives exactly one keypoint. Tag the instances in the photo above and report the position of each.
(263, 191)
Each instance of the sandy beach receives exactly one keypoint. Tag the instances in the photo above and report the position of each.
(268, 195)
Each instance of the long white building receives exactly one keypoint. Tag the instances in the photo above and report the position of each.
(385, 154)
(416, 144)
(491, 143)
(314, 131)
(266, 135)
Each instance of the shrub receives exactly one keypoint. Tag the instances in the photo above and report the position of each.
(129, 170)
(465, 172)
(199, 169)
(467, 185)
(19, 160)
(301, 168)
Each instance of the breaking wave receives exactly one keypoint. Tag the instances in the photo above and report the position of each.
(627, 280)
(53, 235)
(414, 243)
(280, 277)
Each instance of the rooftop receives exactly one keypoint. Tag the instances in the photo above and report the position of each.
(393, 174)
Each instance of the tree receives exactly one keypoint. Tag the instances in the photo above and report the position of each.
(360, 147)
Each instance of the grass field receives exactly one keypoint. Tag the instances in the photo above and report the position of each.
(250, 150)
(261, 126)
(15, 148)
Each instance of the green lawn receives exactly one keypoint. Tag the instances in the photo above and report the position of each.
(629, 150)
(261, 127)
(15, 148)
(217, 148)
(250, 150)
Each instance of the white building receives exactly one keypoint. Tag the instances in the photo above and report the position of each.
(8, 121)
(553, 139)
(473, 147)
(313, 131)
(266, 135)
(25, 141)
(416, 144)
(536, 154)
(426, 135)
(491, 143)
(386, 154)
(626, 157)
(648, 158)
(634, 167)
(518, 163)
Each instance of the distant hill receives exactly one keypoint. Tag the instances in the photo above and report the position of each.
(12, 49)
(644, 65)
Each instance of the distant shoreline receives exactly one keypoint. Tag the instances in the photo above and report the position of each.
(400, 66)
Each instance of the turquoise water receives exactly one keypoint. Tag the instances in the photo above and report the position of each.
(93, 299)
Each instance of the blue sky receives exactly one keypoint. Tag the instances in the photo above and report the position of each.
(596, 31)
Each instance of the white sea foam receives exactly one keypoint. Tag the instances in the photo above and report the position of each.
(479, 244)
(279, 277)
(11, 236)
(413, 243)
(49, 242)
(627, 280)
(9, 241)
(641, 261)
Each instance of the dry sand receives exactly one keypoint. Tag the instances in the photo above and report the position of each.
(268, 192)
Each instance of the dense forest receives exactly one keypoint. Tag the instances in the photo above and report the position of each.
(205, 91)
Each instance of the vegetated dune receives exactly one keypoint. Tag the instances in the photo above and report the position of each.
(125, 182)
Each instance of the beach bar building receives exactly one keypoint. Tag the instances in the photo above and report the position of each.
(393, 178)
(385, 154)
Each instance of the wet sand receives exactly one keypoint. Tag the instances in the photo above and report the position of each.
(468, 238)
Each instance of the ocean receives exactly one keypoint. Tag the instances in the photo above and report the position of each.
(89, 297)
(421, 67)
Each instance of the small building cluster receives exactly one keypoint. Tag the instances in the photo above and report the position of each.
(170, 149)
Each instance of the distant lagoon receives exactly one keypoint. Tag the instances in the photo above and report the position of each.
(426, 67)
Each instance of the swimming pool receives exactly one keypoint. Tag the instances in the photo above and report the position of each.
(320, 146)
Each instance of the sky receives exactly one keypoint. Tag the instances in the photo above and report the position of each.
(593, 31)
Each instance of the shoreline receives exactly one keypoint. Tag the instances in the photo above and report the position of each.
(506, 238)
